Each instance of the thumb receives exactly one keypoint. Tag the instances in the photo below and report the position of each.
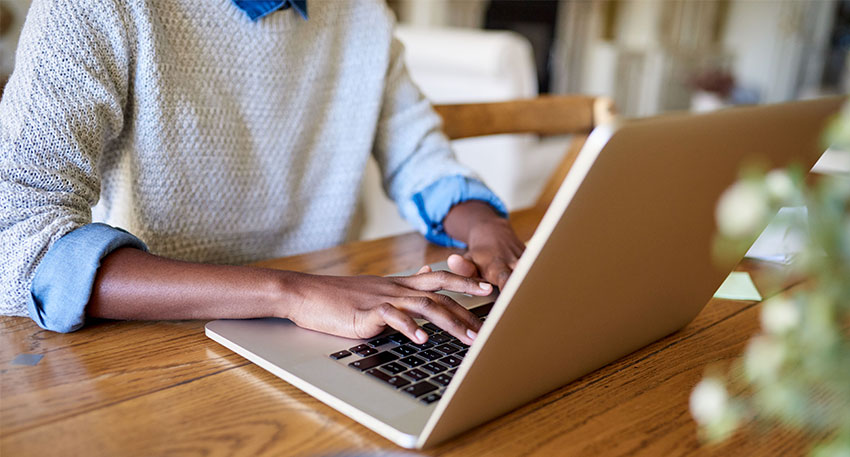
(462, 266)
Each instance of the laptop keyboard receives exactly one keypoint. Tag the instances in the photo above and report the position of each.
(422, 371)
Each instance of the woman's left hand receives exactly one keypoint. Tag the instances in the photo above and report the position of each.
(493, 248)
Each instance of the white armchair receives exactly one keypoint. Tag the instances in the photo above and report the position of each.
(467, 66)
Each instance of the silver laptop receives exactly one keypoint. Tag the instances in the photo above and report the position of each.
(621, 258)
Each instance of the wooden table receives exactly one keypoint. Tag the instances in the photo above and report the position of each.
(163, 388)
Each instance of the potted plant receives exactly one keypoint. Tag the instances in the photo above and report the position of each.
(795, 373)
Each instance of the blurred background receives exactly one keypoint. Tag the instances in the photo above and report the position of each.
(649, 56)
(655, 55)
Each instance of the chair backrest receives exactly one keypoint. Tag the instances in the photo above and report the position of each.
(544, 115)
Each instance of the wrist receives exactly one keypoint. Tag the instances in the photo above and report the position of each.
(466, 217)
(283, 293)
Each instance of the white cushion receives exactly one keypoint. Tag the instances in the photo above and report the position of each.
(470, 66)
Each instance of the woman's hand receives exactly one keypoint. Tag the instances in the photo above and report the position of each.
(493, 247)
(363, 306)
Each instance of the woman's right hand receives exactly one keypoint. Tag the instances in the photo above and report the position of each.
(363, 306)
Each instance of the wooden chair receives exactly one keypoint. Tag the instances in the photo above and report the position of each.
(544, 115)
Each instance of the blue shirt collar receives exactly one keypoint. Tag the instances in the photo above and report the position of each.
(257, 9)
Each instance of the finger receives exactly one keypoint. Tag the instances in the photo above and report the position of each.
(470, 320)
(518, 249)
(402, 322)
(497, 272)
(462, 266)
(424, 269)
(444, 280)
(512, 264)
(437, 313)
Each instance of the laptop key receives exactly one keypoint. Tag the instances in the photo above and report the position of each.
(451, 361)
(432, 327)
(367, 352)
(340, 355)
(403, 350)
(398, 338)
(434, 367)
(359, 347)
(393, 368)
(447, 348)
(430, 398)
(462, 353)
(439, 338)
(430, 355)
(421, 388)
(452, 371)
(412, 361)
(442, 379)
(373, 361)
(395, 381)
(415, 375)
(379, 341)
(423, 346)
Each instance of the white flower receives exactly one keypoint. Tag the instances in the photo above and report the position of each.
(763, 358)
(779, 315)
(709, 401)
(742, 210)
(779, 185)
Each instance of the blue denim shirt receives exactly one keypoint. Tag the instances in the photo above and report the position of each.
(63, 281)
(257, 9)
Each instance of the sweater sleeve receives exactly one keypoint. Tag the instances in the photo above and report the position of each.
(61, 109)
(414, 154)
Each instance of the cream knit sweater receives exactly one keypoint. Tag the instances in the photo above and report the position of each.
(210, 137)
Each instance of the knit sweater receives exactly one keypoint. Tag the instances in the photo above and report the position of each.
(210, 137)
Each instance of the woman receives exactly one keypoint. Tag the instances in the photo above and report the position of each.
(219, 135)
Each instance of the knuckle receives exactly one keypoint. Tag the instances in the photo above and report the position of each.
(383, 309)
(492, 271)
(444, 300)
(457, 322)
(443, 276)
(424, 303)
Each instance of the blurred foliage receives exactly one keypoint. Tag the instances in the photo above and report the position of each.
(796, 372)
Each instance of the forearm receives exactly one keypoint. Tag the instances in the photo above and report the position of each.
(132, 284)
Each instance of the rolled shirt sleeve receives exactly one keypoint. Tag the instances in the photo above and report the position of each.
(429, 207)
(63, 281)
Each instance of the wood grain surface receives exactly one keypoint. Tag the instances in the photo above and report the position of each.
(163, 388)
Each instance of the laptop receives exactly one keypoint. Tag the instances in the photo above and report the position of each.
(601, 277)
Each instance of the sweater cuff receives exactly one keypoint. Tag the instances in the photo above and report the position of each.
(64, 279)
(435, 201)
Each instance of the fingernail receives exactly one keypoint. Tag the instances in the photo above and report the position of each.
(420, 335)
(485, 286)
(472, 335)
